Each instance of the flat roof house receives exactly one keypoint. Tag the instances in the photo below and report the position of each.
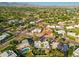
(42, 45)
(70, 27)
(53, 26)
(76, 26)
(61, 32)
(36, 30)
(76, 53)
(8, 53)
(24, 47)
(3, 37)
(24, 43)
(54, 45)
(37, 44)
(49, 26)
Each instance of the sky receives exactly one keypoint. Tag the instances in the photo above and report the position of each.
(53, 3)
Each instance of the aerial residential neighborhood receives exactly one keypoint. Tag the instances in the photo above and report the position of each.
(32, 31)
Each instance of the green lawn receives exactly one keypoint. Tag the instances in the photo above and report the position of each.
(76, 30)
(71, 37)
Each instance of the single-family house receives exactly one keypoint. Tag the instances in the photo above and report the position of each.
(32, 22)
(61, 23)
(39, 21)
(36, 30)
(49, 26)
(23, 44)
(55, 26)
(77, 36)
(3, 37)
(37, 44)
(45, 45)
(42, 45)
(11, 21)
(71, 34)
(76, 26)
(61, 32)
(59, 27)
(70, 27)
(24, 47)
(54, 45)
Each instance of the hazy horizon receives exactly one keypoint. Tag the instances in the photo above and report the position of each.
(43, 3)
(52, 3)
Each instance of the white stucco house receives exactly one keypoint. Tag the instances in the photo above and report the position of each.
(36, 30)
(8, 53)
(42, 45)
(76, 53)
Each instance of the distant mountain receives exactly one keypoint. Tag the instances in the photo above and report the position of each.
(26, 4)
(7, 4)
(13, 4)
